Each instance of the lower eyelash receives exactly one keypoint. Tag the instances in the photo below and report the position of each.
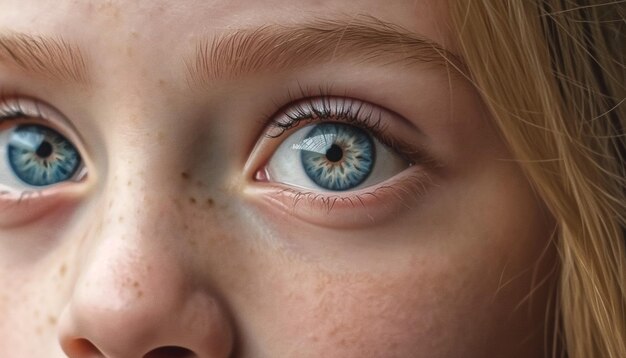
(9, 199)
(410, 186)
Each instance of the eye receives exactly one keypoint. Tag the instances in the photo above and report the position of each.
(40, 156)
(324, 154)
(32, 154)
(341, 153)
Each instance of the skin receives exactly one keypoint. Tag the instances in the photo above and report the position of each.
(170, 242)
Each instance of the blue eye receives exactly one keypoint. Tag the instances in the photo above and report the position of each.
(333, 157)
(337, 156)
(39, 156)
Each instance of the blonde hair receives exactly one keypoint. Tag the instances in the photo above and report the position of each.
(552, 74)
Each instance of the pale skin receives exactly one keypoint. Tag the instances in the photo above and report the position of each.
(172, 244)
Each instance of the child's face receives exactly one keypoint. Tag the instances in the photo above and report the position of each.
(163, 210)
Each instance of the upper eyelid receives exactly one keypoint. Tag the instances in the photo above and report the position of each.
(32, 108)
(26, 107)
(415, 153)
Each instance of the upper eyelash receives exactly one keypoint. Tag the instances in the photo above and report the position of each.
(304, 110)
(11, 107)
(304, 103)
(10, 110)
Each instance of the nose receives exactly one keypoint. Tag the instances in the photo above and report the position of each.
(137, 298)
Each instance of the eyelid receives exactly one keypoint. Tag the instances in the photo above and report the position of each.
(350, 209)
(386, 126)
(353, 210)
(17, 107)
(327, 107)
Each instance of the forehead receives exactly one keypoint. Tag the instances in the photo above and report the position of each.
(176, 20)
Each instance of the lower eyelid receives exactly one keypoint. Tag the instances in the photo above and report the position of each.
(356, 209)
(17, 209)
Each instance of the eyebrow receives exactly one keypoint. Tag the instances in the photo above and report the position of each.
(278, 47)
(52, 57)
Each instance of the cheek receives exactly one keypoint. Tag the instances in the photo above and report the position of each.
(30, 302)
(395, 314)
(460, 287)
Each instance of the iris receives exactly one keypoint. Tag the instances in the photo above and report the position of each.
(39, 156)
(337, 156)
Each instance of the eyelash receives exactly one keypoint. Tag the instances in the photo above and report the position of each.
(305, 104)
(305, 110)
(10, 111)
(415, 184)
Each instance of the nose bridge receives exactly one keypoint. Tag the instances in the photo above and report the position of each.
(142, 190)
(140, 218)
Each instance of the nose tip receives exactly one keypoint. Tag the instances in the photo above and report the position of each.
(127, 305)
(195, 327)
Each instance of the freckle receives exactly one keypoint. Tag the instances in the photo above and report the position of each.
(62, 270)
(129, 183)
(139, 293)
(136, 284)
(184, 175)
(160, 137)
(120, 219)
(52, 320)
(39, 330)
(192, 200)
(210, 202)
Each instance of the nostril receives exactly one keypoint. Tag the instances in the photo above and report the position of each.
(170, 352)
(82, 348)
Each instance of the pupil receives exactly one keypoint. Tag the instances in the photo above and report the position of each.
(334, 153)
(44, 150)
